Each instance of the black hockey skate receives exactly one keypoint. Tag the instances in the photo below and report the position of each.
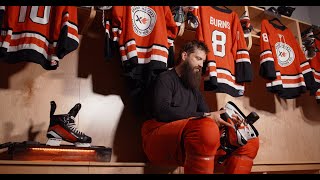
(63, 127)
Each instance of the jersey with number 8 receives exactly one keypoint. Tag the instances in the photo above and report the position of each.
(228, 62)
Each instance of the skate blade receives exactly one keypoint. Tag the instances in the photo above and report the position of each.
(82, 144)
(54, 142)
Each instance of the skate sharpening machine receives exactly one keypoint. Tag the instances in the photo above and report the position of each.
(32, 150)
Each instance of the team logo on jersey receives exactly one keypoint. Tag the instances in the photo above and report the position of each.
(285, 54)
(143, 20)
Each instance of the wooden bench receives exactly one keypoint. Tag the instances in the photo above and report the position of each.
(64, 167)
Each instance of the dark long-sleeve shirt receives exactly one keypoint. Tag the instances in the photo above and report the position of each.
(173, 101)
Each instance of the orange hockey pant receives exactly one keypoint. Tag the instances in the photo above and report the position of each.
(194, 145)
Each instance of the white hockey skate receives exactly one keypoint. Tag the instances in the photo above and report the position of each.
(242, 131)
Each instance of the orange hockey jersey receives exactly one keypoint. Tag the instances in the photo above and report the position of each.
(282, 62)
(40, 34)
(145, 36)
(228, 62)
(315, 65)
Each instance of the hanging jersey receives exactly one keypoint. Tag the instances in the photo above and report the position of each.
(315, 65)
(40, 34)
(228, 62)
(145, 36)
(282, 62)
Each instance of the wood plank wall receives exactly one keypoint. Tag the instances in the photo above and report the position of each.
(289, 129)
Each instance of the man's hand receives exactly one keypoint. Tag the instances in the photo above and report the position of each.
(216, 116)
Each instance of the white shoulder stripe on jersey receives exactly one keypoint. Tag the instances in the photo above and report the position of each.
(124, 58)
(232, 84)
(129, 43)
(4, 44)
(266, 59)
(6, 32)
(151, 48)
(315, 72)
(243, 60)
(28, 46)
(67, 23)
(242, 52)
(212, 64)
(306, 71)
(142, 49)
(274, 83)
(30, 35)
(304, 64)
(294, 85)
(153, 58)
(170, 40)
(2, 7)
(144, 60)
(73, 37)
(132, 54)
(292, 77)
(265, 52)
(222, 71)
(213, 73)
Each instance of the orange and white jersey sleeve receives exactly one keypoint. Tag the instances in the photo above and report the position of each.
(306, 70)
(117, 22)
(315, 66)
(172, 30)
(66, 33)
(108, 42)
(267, 67)
(243, 68)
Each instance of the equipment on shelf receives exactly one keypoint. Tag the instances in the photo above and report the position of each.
(246, 24)
(285, 10)
(308, 41)
(272, 11)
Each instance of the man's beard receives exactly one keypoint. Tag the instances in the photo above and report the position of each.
(190, 78)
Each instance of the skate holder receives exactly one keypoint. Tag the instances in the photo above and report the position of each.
(34, 151)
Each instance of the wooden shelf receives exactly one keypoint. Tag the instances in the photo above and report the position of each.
(257, 14)
(53, 167)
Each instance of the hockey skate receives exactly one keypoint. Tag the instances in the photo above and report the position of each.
(242, 131)
(62, 127)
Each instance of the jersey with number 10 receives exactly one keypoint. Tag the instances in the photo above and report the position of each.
(40, 34)
(228, 62)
